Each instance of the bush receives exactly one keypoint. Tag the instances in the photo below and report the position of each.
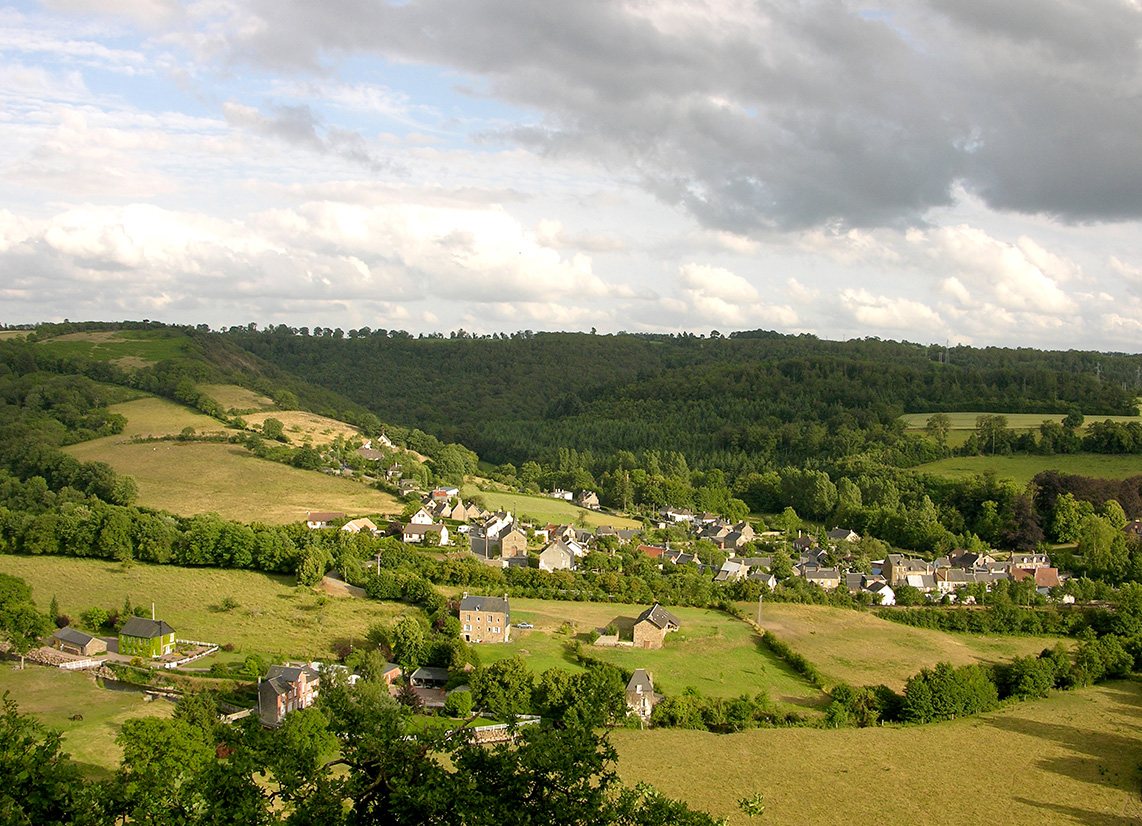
(94, 618)
(944, 693)
(458, 704)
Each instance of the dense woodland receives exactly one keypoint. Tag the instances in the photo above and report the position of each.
(738, 403)
(757, 422)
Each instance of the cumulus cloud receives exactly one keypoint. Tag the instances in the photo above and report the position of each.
(719, 296)
(1011, 273)
(318, 252)
(886, 312)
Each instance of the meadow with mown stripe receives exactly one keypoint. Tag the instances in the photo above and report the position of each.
(273, 616)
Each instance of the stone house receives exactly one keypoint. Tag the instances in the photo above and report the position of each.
(485, 619)
(652, 626)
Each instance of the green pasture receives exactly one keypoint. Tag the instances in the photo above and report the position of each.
(13, 333)
(545, 509)
(1023, 467)
(54, 696)
(129, 348)
(713, 652)
(1070, 759)
(273, 616)
(859, 648)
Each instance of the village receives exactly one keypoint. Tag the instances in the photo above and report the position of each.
(443, 523)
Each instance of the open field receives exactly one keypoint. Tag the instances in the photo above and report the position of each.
(545, 509)
(233, 397)
(1022, 468)
(1070, 759)
(713, 652)
(862, 649)
(301, 426)
(54, 695)
(13, 333)
(151, 416)
(195, 477)
(273, 617)
(127, 348)
(1015, 421)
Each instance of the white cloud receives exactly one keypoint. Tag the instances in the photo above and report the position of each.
(1006, 271)
(716, 283)
(954, 287)
(885, 312)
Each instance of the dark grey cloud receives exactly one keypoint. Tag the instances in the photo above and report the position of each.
(788, 115)
(298, 126)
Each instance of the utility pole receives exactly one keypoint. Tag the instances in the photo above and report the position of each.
(759, 596)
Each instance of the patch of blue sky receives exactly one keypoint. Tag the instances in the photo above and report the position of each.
(434, 100)
(150, 92)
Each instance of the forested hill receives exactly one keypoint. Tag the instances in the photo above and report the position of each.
(764, 395)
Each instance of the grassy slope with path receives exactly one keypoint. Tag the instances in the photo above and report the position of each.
(713, 652)
(861, 649)
(54, 695)
(196, 477)
(274, 616)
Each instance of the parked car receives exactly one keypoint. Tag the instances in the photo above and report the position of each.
(524, 625)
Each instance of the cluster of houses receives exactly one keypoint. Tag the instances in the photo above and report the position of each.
(483, 619)
(936, 579)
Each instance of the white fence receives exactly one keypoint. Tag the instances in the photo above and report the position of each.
(211, 648)
(523, 720)
(75, 665)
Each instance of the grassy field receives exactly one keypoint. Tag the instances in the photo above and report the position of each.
(233, 397)
(273, 617)
(546, 509)
(151, 416)
(862, 649)
(1022, 468)
(195, 477)
(713, 652)
(301, 426)
(963, 424)
(1069, 759)
(127, 348)
(1015, 421)
(54, 695)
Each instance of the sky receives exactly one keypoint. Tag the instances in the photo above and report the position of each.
(960, 171)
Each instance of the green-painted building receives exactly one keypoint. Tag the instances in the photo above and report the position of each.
(142, 637)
